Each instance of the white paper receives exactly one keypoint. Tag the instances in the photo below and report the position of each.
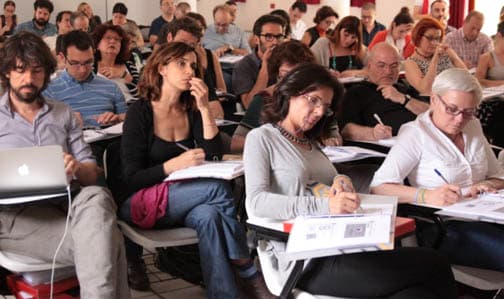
(491, 92)
(488, 207)
(338, 154)
(93, 135)
(230, 58)
(352, 79)
(226, 170)
(224, 122)
(324, 236)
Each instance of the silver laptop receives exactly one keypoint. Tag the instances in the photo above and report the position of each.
(31, 173)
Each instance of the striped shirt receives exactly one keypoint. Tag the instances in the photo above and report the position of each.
(469, 50)
(90, 98)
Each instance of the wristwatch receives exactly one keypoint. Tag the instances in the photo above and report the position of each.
(230, 48)
(407, 98)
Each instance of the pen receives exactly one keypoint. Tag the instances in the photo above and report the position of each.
(378, 119)
(344, 186)
(441, 176)
(182, 146)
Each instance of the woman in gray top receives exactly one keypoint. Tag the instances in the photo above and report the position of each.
(282, 158)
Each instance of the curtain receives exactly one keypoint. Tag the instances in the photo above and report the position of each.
(457, 13)
(312, 1)
(359, 3)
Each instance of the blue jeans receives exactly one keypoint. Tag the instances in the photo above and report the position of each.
(207, 206)
(475, 244)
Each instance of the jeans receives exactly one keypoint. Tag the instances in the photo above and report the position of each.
(207, 206)
(474, 244)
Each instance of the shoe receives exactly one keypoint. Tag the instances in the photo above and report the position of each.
(255, 288)
(137, 276)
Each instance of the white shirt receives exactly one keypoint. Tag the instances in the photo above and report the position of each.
(421, 147)
(298, 30)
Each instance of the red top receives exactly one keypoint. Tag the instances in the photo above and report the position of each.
(381, 36)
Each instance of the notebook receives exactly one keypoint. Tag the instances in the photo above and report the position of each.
(32, 173)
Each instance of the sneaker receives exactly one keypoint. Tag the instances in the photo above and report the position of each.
(255, 288)
(137, 276)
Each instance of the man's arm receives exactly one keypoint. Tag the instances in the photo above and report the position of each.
(353, 131)
(260, 84)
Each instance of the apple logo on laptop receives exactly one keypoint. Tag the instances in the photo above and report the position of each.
(23, 170)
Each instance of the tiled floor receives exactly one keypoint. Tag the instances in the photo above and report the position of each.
(165, 286)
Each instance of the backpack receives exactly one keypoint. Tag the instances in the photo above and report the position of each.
(181, 262)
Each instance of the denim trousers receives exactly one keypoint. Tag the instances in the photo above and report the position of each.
(207, 206)
(475, 244)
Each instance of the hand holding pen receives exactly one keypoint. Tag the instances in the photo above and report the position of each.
(342, 197)
(190, 157)
(445, 195)
(381, 131)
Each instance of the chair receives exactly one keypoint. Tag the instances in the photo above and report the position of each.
(147, 238)
(478, 278)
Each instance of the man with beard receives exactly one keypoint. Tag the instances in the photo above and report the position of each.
(440, 11)
(94, 244)
(468, 41)
(382, 95)
(250, 75)
(40, 23)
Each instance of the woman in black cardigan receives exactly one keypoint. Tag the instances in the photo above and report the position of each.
(172, 128)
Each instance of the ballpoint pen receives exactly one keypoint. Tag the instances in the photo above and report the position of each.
(344, 186)
(441, 176)
(378, 119)
(182, 146)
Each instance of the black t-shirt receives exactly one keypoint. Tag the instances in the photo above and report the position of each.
(362, 100)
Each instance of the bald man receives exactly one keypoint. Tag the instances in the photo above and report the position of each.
(382, 95)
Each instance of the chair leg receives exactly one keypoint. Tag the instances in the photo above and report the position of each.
(499, 294)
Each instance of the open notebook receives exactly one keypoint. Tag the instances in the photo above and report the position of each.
(226, 170)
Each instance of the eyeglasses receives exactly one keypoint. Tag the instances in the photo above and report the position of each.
(381, 66)
(76, 64)
(271, 37)
(316, 102)
(435, 39)
(111, 38)
(454, 111)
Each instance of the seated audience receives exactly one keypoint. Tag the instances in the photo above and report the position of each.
(250, 75)
(187, 30)
(167, 15)
(342, 50)
(63, 25)
(380, 95)
(448, 138)
(8, 21)
(40, 23)
(440, 11)
(94, 243)
(182, 9)
(94, 20)
(398, 35)
(370, 26)
(282, 158)
(95, 99)
(223, 36)
(468, 41)
(325, 18)
(283, 58)
(296, 12)
(233, 9)
(490, 73)
(172, 128)
(431, 56)
(119, 14)
(112, 59)
(80, 21)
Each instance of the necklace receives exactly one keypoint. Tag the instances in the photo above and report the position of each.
(288, 135)
(421, 55)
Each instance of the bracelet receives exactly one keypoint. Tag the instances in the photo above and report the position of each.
(407, 98)
(422, 196)
(415, 199)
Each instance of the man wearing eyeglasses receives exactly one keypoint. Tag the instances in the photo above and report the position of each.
(381, 95)
(250, 74)
(97, 101)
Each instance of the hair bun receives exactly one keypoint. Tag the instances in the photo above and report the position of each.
(404, 10)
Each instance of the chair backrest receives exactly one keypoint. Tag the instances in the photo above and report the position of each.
(479, 278)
